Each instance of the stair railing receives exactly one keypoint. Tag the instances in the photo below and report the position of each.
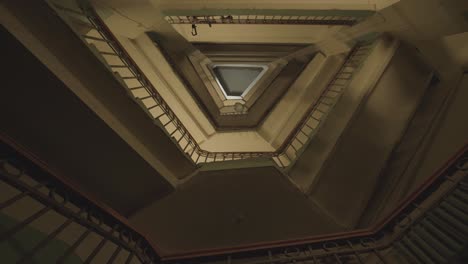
(430, 226)
(32, 194)
(141, 90)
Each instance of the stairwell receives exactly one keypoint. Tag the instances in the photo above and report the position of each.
(395, 124)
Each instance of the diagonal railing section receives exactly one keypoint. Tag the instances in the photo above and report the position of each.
(430, 226)
(317, 113)
(84, 20)
(34, 198)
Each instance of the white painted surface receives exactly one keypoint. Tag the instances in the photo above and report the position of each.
(235, 33)
(269, 4)
(308, 166)
(152, 62)
(300, 96)
(457, 48)
(237, 141)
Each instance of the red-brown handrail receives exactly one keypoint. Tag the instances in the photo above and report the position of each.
(69, 184)
(274, 244)
(335, 236)
(247, 247)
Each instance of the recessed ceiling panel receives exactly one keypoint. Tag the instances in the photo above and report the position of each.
(237, 80)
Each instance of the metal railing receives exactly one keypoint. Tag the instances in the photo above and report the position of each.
(430, 226)
(265, 19)
(140, 88)
(34, 198)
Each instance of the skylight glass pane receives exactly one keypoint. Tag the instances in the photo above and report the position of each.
(236, 80)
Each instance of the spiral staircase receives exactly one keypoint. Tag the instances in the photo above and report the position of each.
(117, 147)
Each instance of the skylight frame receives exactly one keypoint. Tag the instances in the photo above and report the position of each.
(254, 82)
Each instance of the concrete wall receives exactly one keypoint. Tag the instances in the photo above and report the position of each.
(304, 172)
(431, 138)
(52, 41)
(457, 48)
(450, 136)
(354, 167)
(153, 63)
(41, 113)
(231, 208)
(305, 90)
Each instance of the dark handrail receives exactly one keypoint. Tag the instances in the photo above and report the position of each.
(37, 168)
(420, 193)
(41, 172)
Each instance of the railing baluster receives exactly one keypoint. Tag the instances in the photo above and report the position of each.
(75, 245)
(23, 224)
(96, 250)
(26, 258)
(108, 53)
(419, 254)
(458, 215)
(354, 251)
(379, 256)
(440, 233)
(18, 197)
(433, 241)
(407, 254)
(94, 38)
(428, 249)
(114, 255)
(452, 221)
(130, 257)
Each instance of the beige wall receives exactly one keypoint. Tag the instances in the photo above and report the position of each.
(305, 91)
(457, 48)
(450, 136)
(354, 167)
(60, 49)
(230, 208)
(304, 172)
(279, 34)
(270, 4)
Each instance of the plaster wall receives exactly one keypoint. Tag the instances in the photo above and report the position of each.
(304, 172)
(229, 208)
(355, 165)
